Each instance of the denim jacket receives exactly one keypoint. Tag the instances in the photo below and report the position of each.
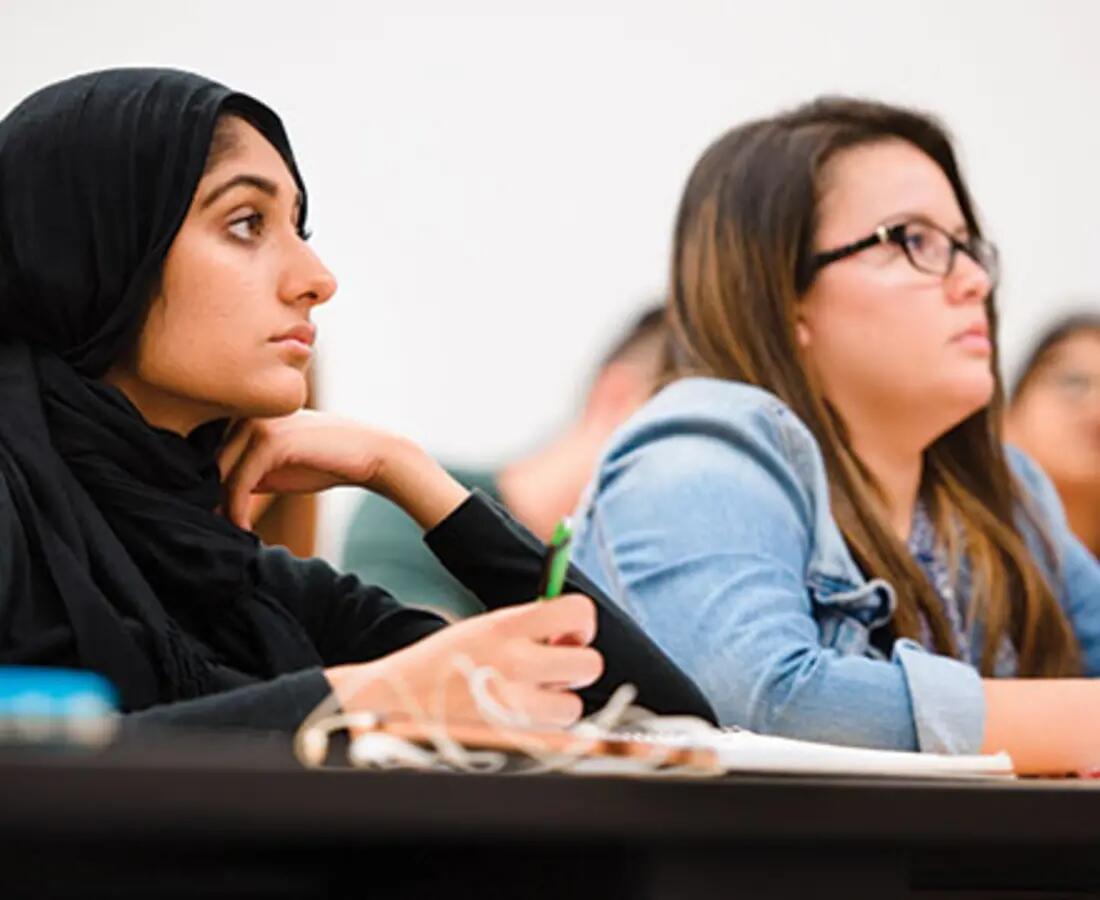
(709, 521)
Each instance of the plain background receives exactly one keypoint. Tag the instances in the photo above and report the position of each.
(494, 183)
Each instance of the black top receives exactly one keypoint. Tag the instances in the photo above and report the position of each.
(134, 574)
(500, 561)
(385, 546)
(349, 621)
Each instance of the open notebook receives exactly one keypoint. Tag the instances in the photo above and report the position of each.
(662, 745)
(737, 750)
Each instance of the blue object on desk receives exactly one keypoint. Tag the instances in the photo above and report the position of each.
(39, 705)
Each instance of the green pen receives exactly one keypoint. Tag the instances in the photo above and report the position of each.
(556, 561)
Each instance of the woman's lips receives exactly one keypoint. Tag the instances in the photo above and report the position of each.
(297, 347)
(299, 339)
(974, 340)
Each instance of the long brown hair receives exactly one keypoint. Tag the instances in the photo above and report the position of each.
(742, 259)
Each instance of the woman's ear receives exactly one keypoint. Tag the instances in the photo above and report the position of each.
(802, 333)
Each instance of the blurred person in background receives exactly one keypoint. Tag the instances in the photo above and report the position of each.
(538, 489)
(1054, 416)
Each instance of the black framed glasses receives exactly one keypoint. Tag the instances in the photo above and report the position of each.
(928, 248)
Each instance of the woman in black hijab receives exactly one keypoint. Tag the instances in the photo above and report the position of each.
(155, 285)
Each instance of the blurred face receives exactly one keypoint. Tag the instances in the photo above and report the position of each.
(1056, 418)
(229, 333)
(888, 343)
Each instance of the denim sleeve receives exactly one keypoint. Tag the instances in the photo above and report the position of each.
(1076, 572)
(948, 699)
(702, 528)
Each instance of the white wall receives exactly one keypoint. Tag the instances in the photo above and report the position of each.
(493, 183)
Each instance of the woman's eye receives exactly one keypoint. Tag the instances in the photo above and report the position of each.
(1075, 384)
(247, 228)
(916, 240)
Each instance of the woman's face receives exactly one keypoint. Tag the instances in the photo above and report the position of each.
(1056, 417)
(229, 333)
(893, 346)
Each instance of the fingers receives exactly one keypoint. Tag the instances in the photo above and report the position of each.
(558, 709)
(237, 509)
(569, 619)
(254, 462)
(548, 666)
(539, 651)
(236, 442)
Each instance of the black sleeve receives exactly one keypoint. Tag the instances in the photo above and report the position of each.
(348, 621)
(500, 561)
(279, 705)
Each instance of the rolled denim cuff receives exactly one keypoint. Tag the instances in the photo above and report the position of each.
(948, 700)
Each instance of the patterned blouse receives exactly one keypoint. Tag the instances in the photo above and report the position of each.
(931, 556)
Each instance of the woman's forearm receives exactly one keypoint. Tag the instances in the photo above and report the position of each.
(418, 484)
(1049, 726)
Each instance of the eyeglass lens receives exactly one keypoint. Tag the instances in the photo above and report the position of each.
(933, 251)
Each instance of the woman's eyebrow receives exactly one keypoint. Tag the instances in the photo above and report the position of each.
(266, 185)
(914, 216)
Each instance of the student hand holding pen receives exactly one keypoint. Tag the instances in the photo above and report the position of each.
(539, 651)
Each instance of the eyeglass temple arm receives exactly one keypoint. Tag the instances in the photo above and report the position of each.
(881, 236)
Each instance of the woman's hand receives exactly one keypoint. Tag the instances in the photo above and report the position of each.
(312, 451)
(540, 651)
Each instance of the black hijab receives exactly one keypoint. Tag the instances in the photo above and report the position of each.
(146, 583)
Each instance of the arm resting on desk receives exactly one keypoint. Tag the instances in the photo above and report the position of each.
(278, 705)
(1049, 726)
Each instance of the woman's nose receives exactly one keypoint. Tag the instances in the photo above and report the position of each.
(968, 282)
(308, 279)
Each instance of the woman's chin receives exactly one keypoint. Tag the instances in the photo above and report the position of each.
(980, 387)
(968, 395)
(274, 398)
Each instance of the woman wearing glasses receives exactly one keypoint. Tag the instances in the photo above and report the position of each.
(816, 518)
(1054, 416)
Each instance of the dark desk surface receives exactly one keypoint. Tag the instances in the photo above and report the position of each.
(241, 791)
(197, 803)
